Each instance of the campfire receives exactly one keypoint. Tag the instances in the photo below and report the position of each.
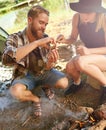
(95, 121)
(82, 124)
(91, 119)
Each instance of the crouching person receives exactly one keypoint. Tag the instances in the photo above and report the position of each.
(89, 23)
(33, 59)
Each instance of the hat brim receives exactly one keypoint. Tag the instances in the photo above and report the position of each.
(85, 9)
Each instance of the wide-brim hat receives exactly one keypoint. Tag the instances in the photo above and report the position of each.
(87, 6)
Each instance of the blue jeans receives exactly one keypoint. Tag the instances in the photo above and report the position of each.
(49, 77)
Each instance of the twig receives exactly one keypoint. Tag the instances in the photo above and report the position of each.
(25, 122)
(74, 125)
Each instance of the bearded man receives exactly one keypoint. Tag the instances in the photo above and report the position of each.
(30, 52)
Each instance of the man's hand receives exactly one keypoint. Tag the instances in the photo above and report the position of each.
(45, 42)
(53, 56)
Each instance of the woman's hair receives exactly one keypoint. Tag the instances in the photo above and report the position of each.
(101, 22)
(36, 10)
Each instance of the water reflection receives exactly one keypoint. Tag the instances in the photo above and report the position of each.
(10, 19)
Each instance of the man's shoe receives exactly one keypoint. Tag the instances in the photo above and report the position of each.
(73, 88)
(48, 92)
(103, 96)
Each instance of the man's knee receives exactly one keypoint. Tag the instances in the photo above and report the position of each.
(62, 83)
(17, 90)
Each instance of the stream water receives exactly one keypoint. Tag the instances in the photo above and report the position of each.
(13, 18)
(7, 20)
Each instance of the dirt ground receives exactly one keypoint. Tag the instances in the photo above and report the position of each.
(15, 115)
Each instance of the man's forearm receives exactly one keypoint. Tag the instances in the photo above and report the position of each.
(25, 50)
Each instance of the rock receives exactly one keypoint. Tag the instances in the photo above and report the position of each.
(100, 112)
(99, 126)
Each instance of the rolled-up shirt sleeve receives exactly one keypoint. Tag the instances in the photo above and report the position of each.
(11, 51)
(9, 54)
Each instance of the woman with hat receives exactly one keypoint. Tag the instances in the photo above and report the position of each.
(89, 23)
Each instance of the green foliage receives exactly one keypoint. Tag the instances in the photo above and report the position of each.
(53, 5)
(4, 3)
(7, 3)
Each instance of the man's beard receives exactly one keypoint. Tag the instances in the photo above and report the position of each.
(35, 33)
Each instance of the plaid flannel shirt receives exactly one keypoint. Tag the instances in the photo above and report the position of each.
(34, 62)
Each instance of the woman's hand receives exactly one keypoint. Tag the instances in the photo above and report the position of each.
(60, 39)
(82, 50)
